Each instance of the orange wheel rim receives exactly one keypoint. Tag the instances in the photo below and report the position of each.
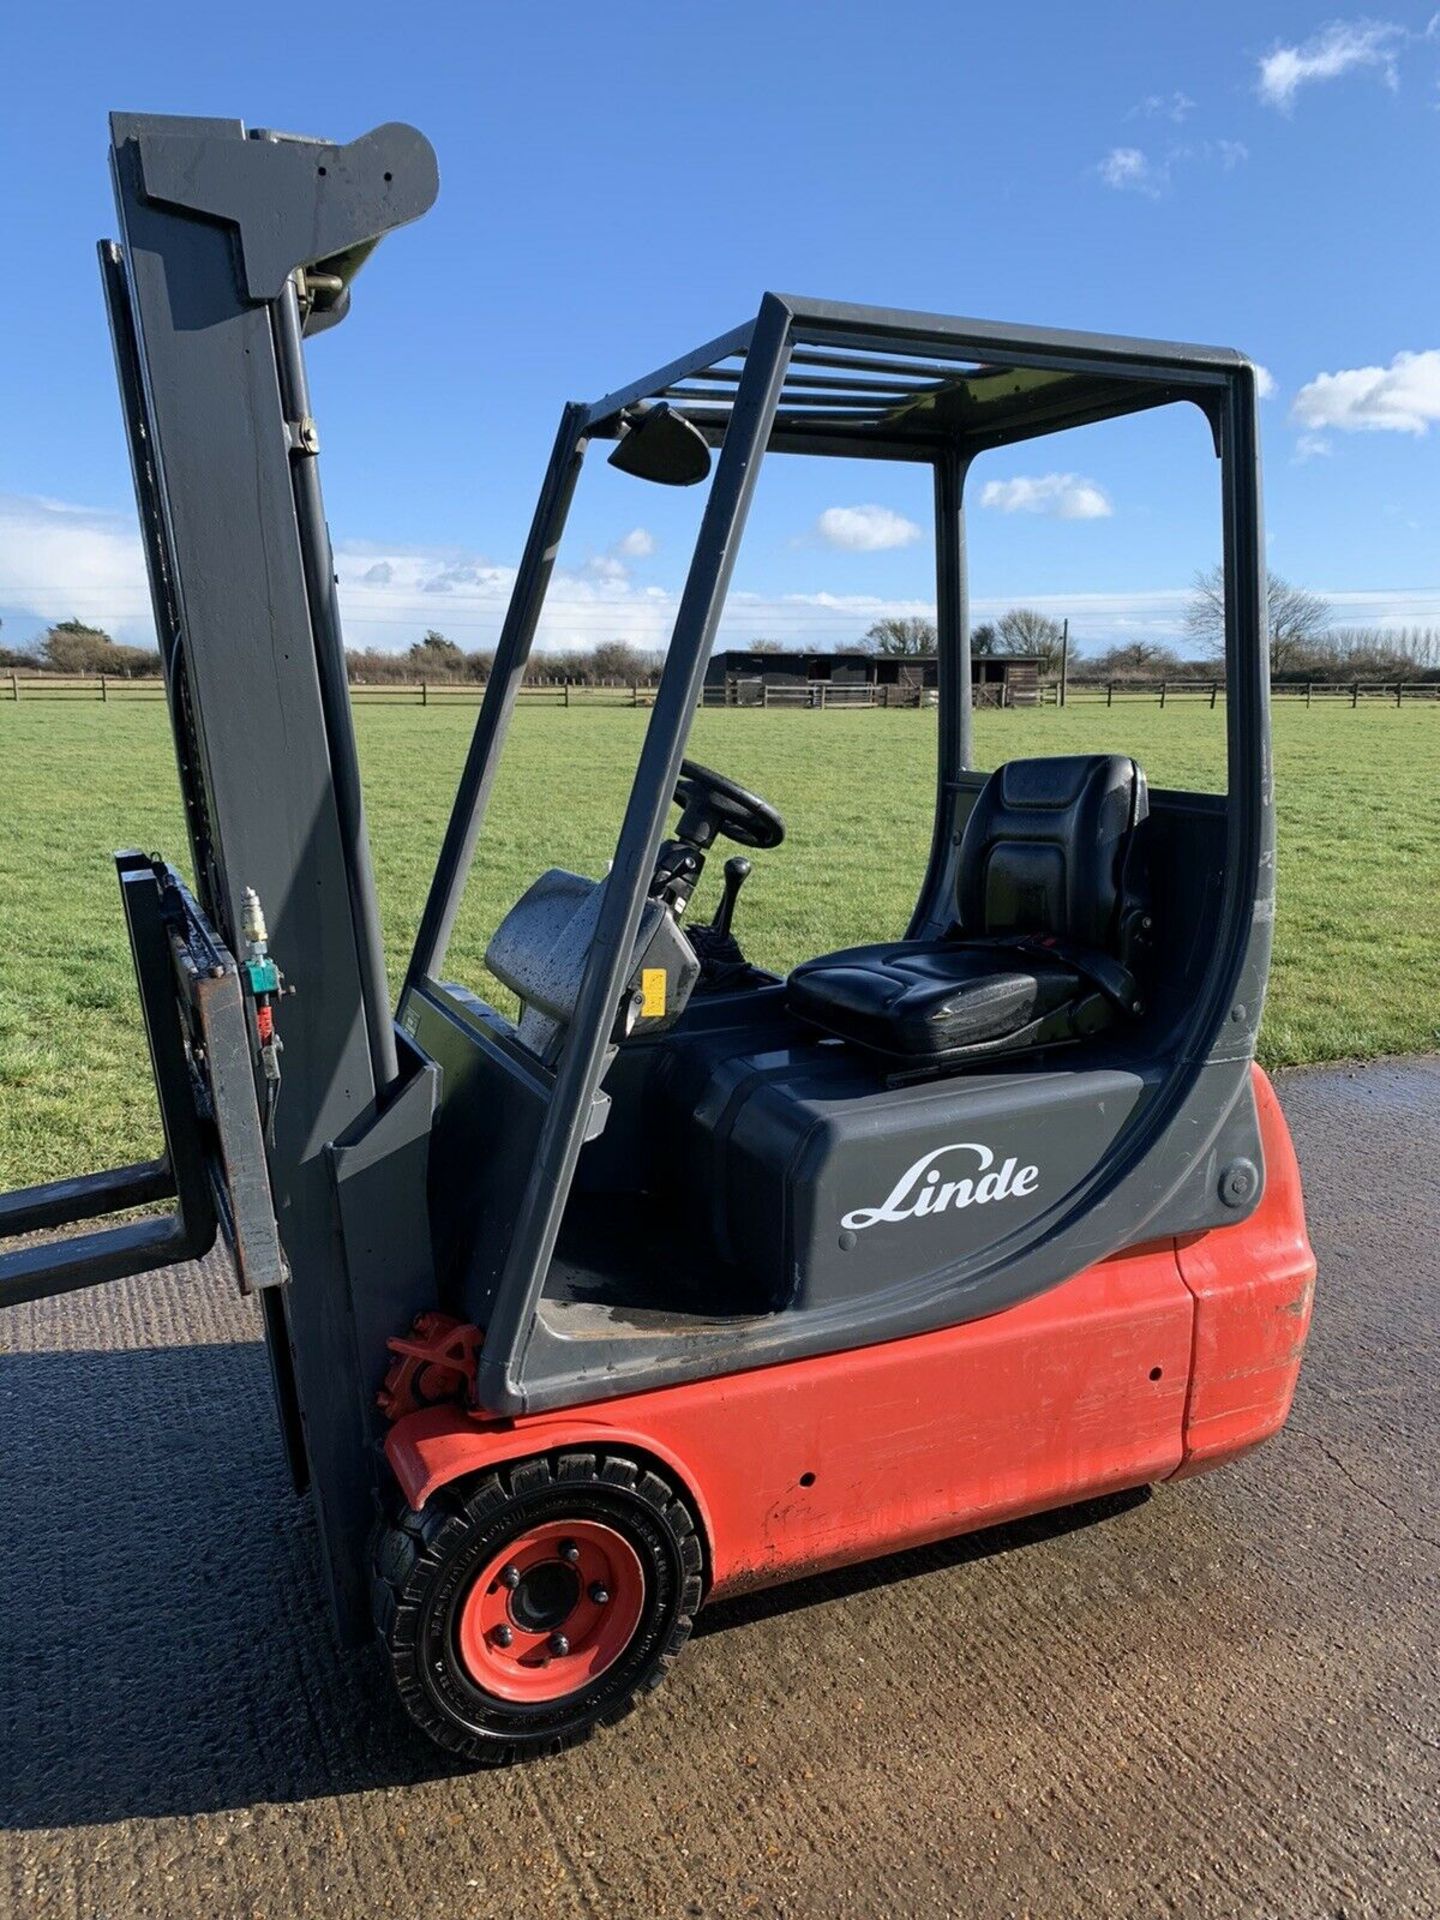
(551, 1611)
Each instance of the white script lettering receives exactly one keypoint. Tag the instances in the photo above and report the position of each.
(920, 1189)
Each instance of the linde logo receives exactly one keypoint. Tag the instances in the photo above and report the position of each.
(921, 1189)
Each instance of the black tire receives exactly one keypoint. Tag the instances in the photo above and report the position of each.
(427, 1563)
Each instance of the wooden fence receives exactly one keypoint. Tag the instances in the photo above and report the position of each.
(78, 686)
(536, 693)
(817, 696)
(1304, 692)
(416, 693)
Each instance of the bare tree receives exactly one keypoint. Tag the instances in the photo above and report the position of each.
(1297, 618)
(1135, 657)
(909, 634)
(618, 660)
(985, 638)
(1397, 652)
(1420, 646)
(1026, 630)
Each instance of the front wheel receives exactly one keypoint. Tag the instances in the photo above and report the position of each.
(523, 1610)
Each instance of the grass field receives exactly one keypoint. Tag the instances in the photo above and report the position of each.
(1359, 828)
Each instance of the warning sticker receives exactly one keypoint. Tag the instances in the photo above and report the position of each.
(652, 992)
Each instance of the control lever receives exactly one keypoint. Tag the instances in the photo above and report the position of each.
(737, 871)
(722, 965)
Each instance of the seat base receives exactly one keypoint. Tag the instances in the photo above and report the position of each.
(930, 1002)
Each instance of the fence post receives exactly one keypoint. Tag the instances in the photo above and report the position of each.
(1307, 693)
(1399, 690)
(15, 687)
(1064, 662)
(567, 693)
(1109, 693)
(1162, 696)
(104, 691)
(1214, 689)
(1354, 696)
(764, 693)
(635, 694)
(822, 696)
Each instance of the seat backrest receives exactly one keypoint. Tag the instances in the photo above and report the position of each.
(1048, 849)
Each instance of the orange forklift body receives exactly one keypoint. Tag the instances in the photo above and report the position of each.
(1161, 1361)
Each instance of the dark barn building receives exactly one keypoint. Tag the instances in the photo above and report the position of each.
(738, 678)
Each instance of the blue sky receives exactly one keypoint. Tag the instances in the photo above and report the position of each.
(620, 182)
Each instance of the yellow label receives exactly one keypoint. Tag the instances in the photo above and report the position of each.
(652, 992)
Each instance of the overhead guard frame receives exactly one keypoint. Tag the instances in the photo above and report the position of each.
(1079, 379)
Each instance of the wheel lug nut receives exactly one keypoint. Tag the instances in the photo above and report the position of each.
(569, 1552)
(503, 1636)
(600, 1595)
(559, 1643)
(510, 1577)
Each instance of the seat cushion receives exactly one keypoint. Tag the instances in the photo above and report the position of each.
(921, 1000)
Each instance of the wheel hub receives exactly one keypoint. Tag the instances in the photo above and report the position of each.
(545, 1598)
(551, 1611)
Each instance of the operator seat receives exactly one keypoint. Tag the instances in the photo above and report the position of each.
(1050, 911)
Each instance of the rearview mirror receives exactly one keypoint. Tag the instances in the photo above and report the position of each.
(656, 443)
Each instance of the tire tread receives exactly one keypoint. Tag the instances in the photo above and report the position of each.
(411, 1549)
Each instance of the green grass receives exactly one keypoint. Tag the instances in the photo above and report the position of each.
(1359, 827)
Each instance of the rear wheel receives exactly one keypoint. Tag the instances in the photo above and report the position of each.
(524, 1609)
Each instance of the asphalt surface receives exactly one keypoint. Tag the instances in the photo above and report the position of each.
(1221, 1701)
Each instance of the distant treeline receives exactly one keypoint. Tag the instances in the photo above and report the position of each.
(436, 658)
(72, 647)
(1324, 654)
(1334, 654)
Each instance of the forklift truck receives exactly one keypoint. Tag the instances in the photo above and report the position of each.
(690, 1278)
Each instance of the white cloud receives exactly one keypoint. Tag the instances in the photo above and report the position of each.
(611, 566)
(833, 620)
(1174, 106)
(1264, 381)
(1401, 398)
(1132, 170)
(592, 602)
(1343, 47)
(866, 529)
(1129, 170)
(1066, 496)
(1311, 446)
(57, 560)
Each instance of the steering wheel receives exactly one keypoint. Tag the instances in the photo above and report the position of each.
(710, 804)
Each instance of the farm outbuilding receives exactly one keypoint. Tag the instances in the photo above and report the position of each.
(748, 679)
